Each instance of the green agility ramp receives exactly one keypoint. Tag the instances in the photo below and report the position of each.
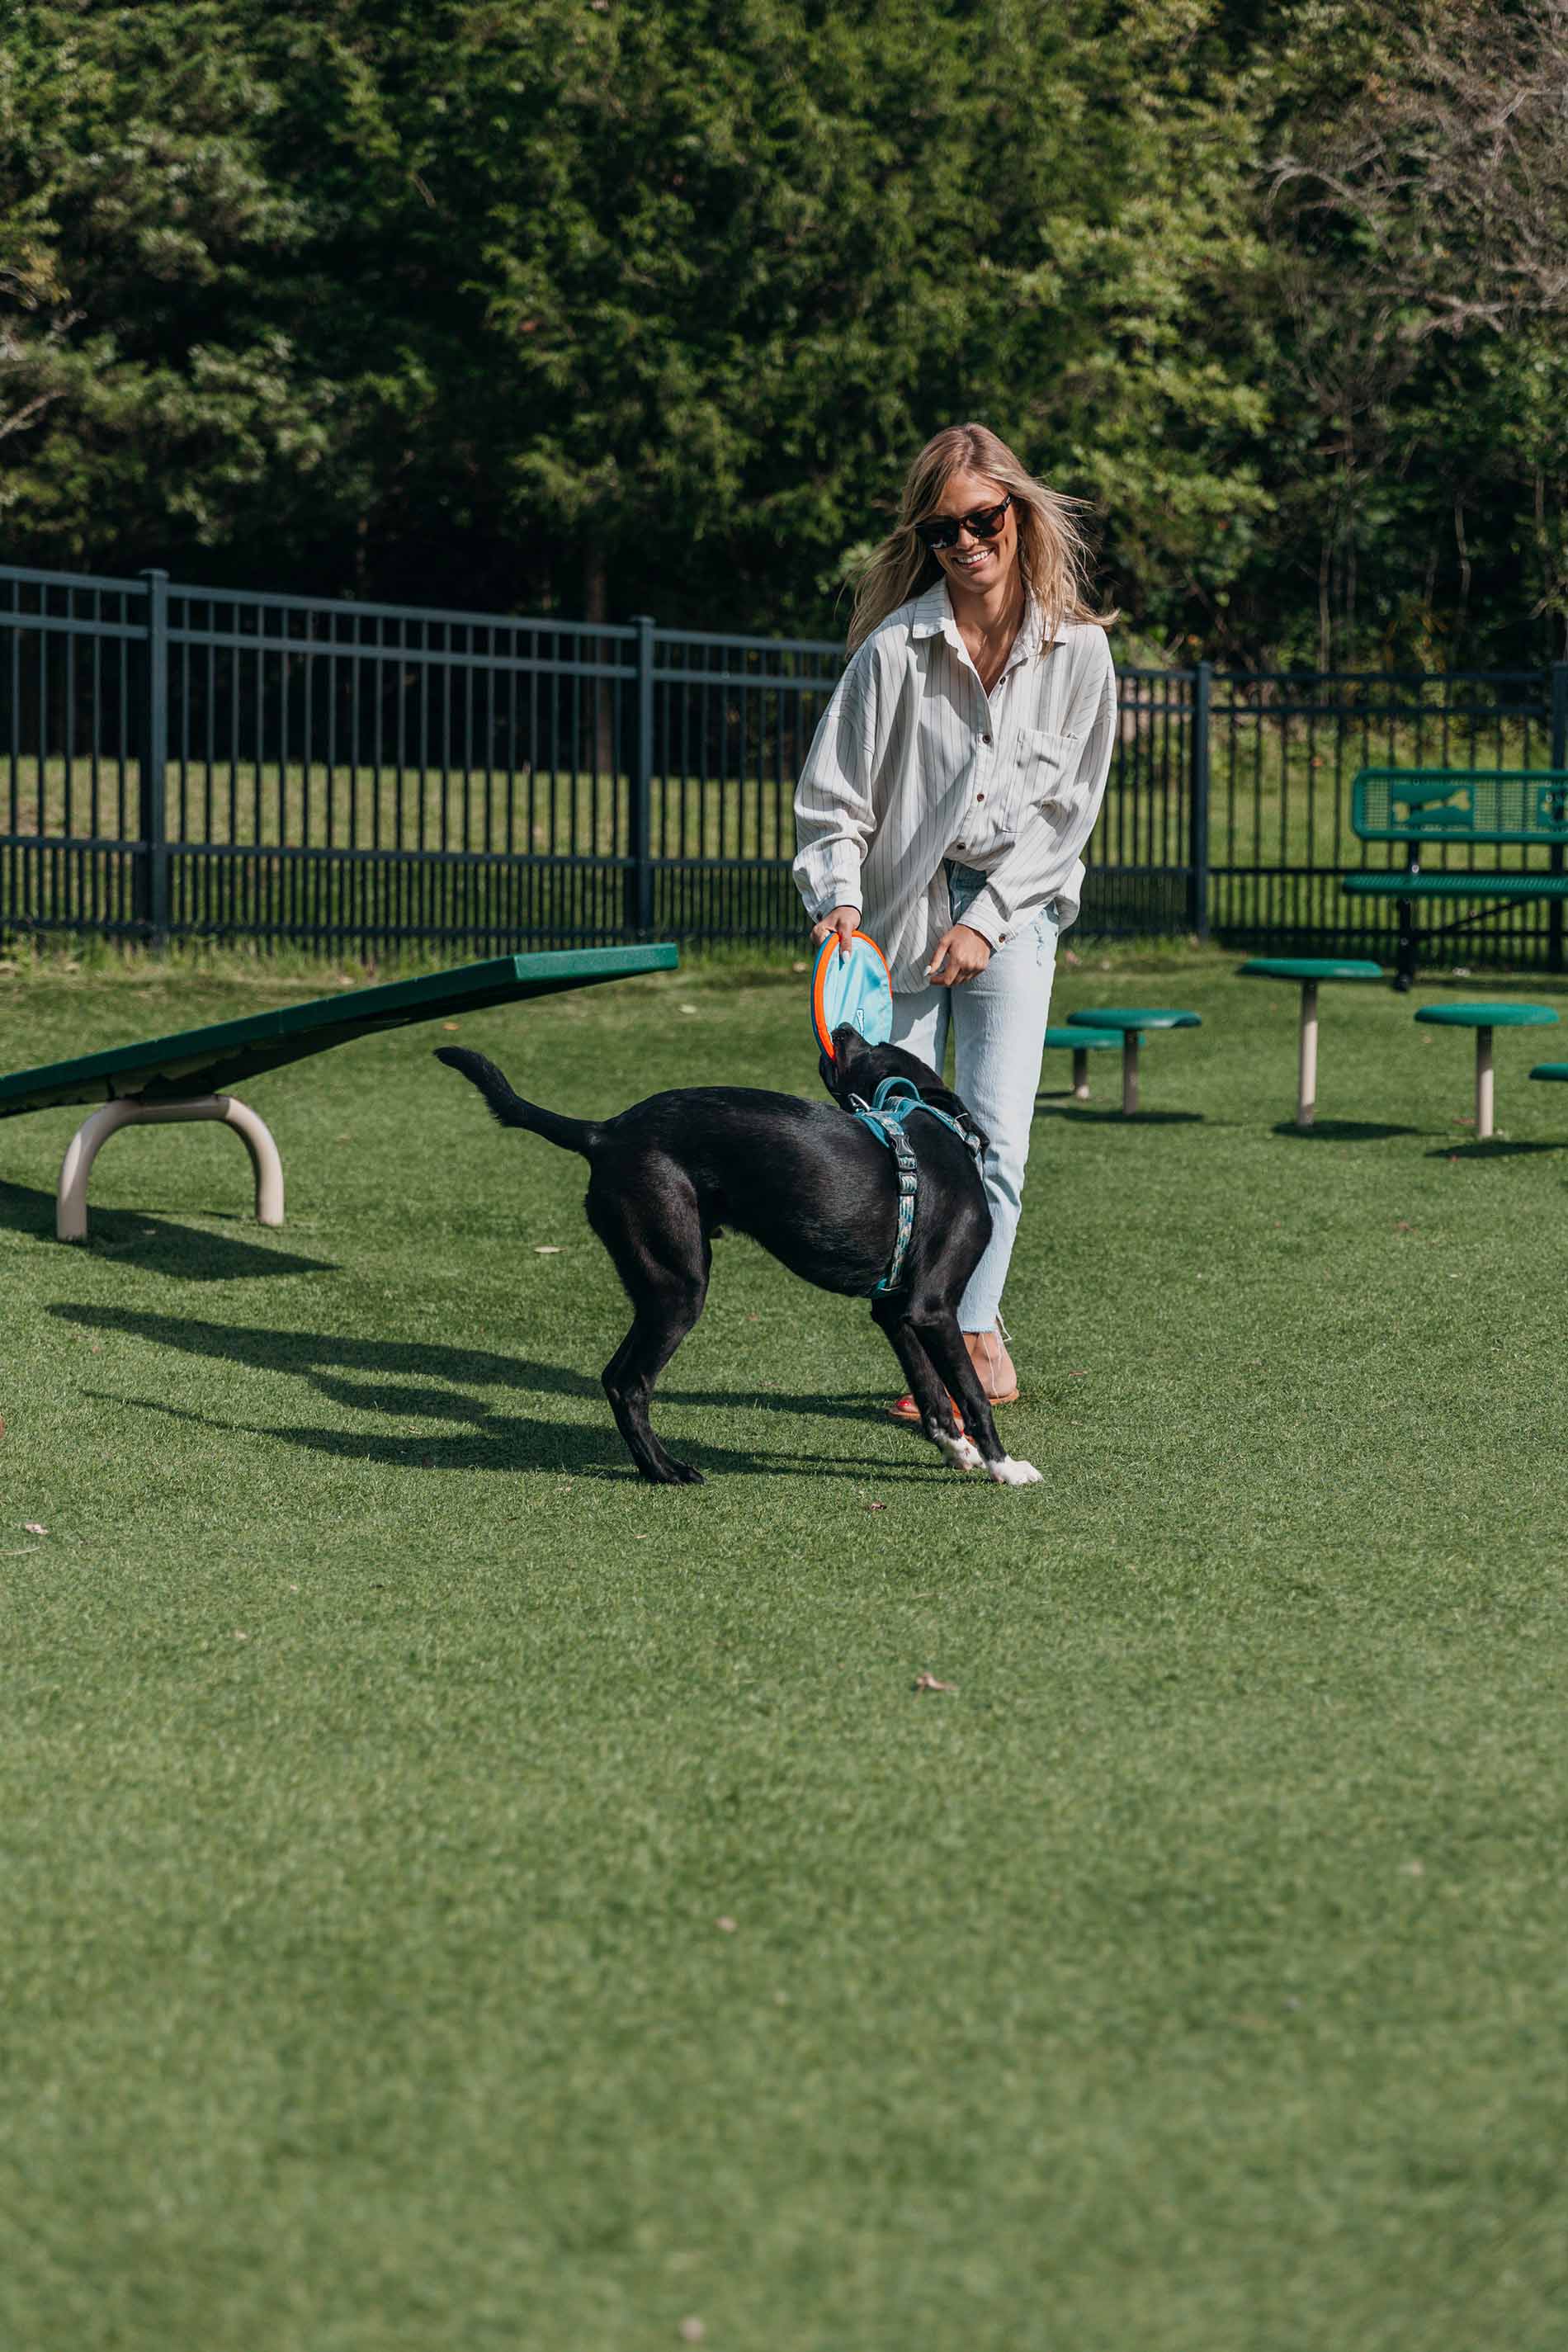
(180, 1077)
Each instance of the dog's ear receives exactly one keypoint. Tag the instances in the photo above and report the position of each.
(944, 1098)
(898, 1062)
(895, 1062)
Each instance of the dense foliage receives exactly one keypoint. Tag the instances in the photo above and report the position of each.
(597, 306)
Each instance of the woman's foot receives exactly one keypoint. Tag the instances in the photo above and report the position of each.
(907, 1410)
(993, 1369)
(992, 1365)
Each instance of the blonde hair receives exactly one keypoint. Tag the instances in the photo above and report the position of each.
(1053, 554)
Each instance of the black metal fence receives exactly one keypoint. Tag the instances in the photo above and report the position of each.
(179, 762)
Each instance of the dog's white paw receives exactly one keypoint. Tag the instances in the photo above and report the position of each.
(1008, 1473)
(961, 1451)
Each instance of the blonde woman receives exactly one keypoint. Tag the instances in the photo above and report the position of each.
(951, 789)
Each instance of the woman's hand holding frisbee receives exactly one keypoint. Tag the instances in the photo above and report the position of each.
(844, 920)
(960, 954)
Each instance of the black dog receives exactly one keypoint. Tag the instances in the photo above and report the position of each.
(816, 1188)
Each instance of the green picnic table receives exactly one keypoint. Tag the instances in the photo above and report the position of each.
(162, 1080)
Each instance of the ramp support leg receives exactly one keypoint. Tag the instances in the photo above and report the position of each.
(129, 1110)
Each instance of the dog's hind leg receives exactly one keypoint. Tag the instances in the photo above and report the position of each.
(892, 1316)
(937, 1330)
(662, 1256)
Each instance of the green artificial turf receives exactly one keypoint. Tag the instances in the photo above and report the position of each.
(457, 1896)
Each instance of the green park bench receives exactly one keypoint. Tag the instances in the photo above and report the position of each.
(1462, 808)
(166, 1079)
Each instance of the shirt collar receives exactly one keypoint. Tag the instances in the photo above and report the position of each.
(933, 614)
(933, 617)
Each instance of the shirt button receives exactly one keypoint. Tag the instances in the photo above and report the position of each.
(985, 738)
(980, 796)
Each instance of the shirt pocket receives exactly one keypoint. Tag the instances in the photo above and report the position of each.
(1047, 764)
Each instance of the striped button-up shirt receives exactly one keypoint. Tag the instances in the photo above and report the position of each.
(914, 763)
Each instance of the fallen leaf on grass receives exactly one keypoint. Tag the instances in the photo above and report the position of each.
(726, 1924)
(929, 1682)
(2, 1425)
(547, 1249)
(448, 1024)
(876, 1507)
(31, 1528)
(1403, 1226)
(691, 2330)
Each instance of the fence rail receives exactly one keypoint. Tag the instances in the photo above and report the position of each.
(179, 760)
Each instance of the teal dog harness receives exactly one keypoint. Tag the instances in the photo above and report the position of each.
(885, 1115)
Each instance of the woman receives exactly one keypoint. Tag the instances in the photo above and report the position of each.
(951, 789)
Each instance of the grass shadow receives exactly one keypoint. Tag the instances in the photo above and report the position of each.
(1340, 1131)
(391, 1368)
(508, 1443)
(1091, 1115)
(156, 1243)
(1495, 1146)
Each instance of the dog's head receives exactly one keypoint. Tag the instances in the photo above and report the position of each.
(857, 1068)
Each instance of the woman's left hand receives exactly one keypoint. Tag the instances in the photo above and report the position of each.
(960, 954)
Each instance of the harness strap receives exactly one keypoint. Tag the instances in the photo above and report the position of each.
(885, 1115)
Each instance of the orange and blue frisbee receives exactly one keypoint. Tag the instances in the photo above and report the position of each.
(856, 988)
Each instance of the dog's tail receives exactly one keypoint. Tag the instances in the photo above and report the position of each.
(571, 1134)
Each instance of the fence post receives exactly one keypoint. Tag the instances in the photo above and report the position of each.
(639, 913)
(1559, 686)
(1198, 886)
(152, 906)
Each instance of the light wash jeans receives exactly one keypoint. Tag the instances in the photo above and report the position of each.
(998, 1022)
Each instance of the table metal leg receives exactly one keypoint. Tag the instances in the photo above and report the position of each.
(1129, 1072)
(1080, 1073)
(1483, 1082)
(1307, 1080)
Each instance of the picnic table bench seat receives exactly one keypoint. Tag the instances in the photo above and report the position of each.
(1483, 1019)
(1080, 1043)
(1309, 971)
(1130, 1023)
(185, 1076)
(1461, 808)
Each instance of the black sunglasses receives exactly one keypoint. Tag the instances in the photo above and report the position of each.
(942, 531)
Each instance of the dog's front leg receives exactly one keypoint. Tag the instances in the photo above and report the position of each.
(938, 1333)
(891, 1316)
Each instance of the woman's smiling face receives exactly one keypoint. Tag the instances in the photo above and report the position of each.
(974, 567)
